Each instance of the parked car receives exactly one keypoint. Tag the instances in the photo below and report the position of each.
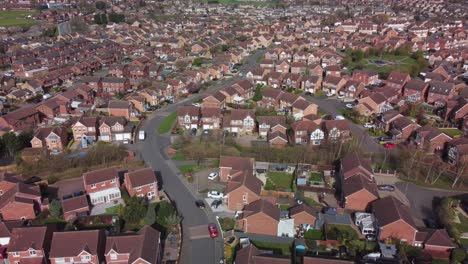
(212, 176)
(200, 204)
(370, 237)
(216, 203)
(79, 193)
(369, 125)
(330, 210)
(350, 106)
(389, 145)
(308, 93)
(339, 117)
(194, 131)
(196, 104)
(215, 195)
(213, 230)
(67, 196)
(141, 135)
(383, 140)
(340, 96)
(386, 187)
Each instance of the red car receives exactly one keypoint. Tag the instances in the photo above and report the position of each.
(389, 145)
(213, 230)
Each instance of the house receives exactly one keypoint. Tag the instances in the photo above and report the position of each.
(188, 117)
(440, 91)
(302, 132)
(215, 100)
(270, 98)
(19, 201)
(55, 139)
(430, 138)
(457, 151)
(396, 80)
(240, 121)
(367, 77)
(250, 254)
(402, 128)
(436, 242)
(271, 124)
(303, 214)
(242, 189)
(311, 84)
(53, 108)
(24, 118)
(384, 120)
(358, 187)
(333, 70)
(142, 183)
(6, 229)
(120, 108)
(229, 166)
(115, 85)
(301, 108)
(85, 130)
(75, 207)
(415, 91)
(115, 128)
(352, 89)
(259, 217)
(394, 220)
(102, 185)
(30, 244)
(372, 104)
(86, 246)
(211, 118)
(336, 129)
(277, 139)
(143, 246)
(286, 101)
(333, 84)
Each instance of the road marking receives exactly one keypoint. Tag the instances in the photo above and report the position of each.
(199, 232)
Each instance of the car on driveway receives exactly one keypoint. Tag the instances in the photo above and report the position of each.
(215, 195)
(386, 187)
(213, 230)
(369, 125)
(339, 117)
(216, 203)
(383, 140)
(340, 96)
(200, 204)
(389, 145)
(212, 176)
(350, 106)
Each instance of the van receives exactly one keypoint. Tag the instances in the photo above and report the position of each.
(141, 135)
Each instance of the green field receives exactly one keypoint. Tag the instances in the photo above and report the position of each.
(167, 123)
(402, 64)
(16, 18)
(278, 181)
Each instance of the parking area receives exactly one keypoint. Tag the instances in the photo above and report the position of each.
(204, 184)
(66, 187)
(217, 209)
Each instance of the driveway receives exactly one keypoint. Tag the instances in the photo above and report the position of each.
(152, 149)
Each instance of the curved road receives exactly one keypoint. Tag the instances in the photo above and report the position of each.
(152, 149)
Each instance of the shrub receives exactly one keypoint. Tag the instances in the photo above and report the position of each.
(340, 233)
(55, 209)
(458, 255)
(227, 223)
(314, 234)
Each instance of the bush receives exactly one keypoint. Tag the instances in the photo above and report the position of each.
(340, 232)
(227, 223)
(55, 208)
(314, 234)
(458, 255)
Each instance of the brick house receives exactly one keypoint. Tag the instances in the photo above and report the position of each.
(431, 139)
(86, 246)
(333, 70)
(271, 124)
(302, 108)
(259, 217)
(102, 185)
(215, 100)
(211, 118)
(142, 183)
(402, 128)
(74, 207)
(120, 108)
(311, 84)
(242, 189)
(415, 91)
(372, 104)
(303, 214)
(303, 130)
(188, 117)
(352, 89)
(115, 128)
(336, 129)
(19, 201)
(230, 165)
(24, 118)
(85, 130)
(240, 121)
(115, 85)
(143, 246)
(436, 242)
(440, 91)
(250, 254)
(358, 187)
(270, 98)
(333, 84)
(394, 220)
(30, 244)
(397, 80)
(366, 77)
(55, 139)
(53, 107)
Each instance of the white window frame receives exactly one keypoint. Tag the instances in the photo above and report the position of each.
(15, 254)
(113, 256)
(32, 252)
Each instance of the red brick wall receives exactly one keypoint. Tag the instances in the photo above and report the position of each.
(119, 112)
(25, 255)
(260, 223)
(121, 258)
(93, 260)
(223, 174)
(400, 230)
(144, 190)
(68, 216)
(235, 200)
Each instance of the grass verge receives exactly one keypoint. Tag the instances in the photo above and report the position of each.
(167, 123)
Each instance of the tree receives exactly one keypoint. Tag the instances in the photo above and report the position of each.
(50, 32)
(134, 211)
(116, 18)
(258, 94)
(55, 209)
(172, 221)
(197, 62)
(101, 5)
(100, 19)
(78, 25)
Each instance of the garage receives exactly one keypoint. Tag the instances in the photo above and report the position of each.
(119, 137)
(235, 130)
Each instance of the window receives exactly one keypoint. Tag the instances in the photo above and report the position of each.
(15, 254)
(93, 186)
(113, 180)
(138, 189)
(85, 258)
(1, 192)
(113, 256)
(32, 252)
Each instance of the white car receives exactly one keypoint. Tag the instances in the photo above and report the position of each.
(339, 117)
(330, 94)
(215, 195)
(369, 125)
(196, 104)
(340, 96)
(350, 106)
(212, 176)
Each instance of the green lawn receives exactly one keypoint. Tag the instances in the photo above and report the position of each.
(284, 207)
(395, 63)
(279, 181)
(453, 132)
(278, 248)
(316, 234)
(16, 18)
(189, 168)
(114, 210)
(463, 225)
(167, 123)
(316, 177)
(179, 156)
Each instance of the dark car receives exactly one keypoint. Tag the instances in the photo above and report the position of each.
(200, 204)
(67, 196)
(216, 203)
(194, 131)
(79, 193)
(386, 187)
(330, 210)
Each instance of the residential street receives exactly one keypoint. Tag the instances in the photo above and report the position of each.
(205, 250)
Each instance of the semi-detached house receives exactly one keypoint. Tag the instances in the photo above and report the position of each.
(102, 185)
